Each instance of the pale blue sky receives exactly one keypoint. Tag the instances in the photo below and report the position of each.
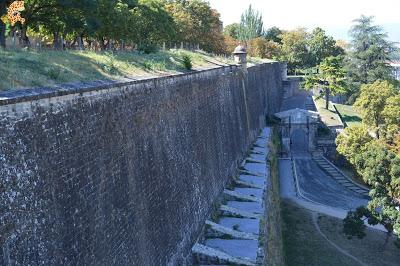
(335, 16)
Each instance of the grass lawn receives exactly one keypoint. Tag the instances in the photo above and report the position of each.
(31, 69)
(348, 114)
(303, 245)
(329, 117)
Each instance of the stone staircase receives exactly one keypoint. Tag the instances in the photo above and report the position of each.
(310, 105)
(339, 176)
(234, 234)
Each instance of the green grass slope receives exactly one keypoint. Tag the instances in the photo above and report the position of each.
(32, 69)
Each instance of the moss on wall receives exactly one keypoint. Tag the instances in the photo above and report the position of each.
(274, 247)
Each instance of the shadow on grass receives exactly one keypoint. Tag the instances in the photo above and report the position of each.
(351, 118)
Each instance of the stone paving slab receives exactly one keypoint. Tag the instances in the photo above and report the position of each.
(238, 196)
(260, 142)
(259, 168)
(255, 192)
(254, 207)
(266, 133)
(257, 157)
(251, 185)
(242, 249)
(259, 150)
(242, 224)
(245, 172)
(256, 180)
(230, 231)
(217, 254)
(237, 212)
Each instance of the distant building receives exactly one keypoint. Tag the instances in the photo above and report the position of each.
(396, 68)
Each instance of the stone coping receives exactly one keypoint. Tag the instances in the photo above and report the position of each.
(30, 94)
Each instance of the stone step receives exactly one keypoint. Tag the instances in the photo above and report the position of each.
(238, 196)
(247, 225)
(257, 168)
(258, 157)
(246, 172)
(338, 176)
(251, 160)
(216, 257)
(254, 192)
(238, 248)
(260, 142)
(259, 150)
(219, 231)
(232, 236)
(257, 180)
(248, 184)
(248, 206)
(228, 210)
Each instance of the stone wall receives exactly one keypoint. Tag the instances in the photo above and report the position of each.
(291, 86)
(123, 173)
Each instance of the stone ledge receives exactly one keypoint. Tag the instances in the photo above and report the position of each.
(29, 94)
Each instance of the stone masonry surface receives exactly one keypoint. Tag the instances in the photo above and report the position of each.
(123, 173)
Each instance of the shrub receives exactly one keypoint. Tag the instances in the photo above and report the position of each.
(187, 62)
(53, 73)
(147, 48)
(110, 65)
(153, 65)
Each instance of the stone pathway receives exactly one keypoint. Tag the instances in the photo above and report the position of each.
(234, 234)
(340, 177)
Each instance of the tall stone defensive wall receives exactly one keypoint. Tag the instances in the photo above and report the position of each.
(124, 173)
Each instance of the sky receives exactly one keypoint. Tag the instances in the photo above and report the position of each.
(335, 16)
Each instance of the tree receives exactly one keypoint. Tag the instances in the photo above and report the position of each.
(330, 78)
(372, 102)
(153, 24)
(274, 34)
(232, 30)
(251, 25)
(197, 23)
(380, 168)
(370, 52)
(391, 116)
(294, 49)
(353, 141)
(230, 44)
(322, 46)
(3, 11)
(272, 50)
(257, 47)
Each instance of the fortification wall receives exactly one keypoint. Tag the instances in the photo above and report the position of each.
(123, 173)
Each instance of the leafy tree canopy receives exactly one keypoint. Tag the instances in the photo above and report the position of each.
(232, 30)
(251, 25)
(322, 46)
(274, 34)
(329, 77)
(294, 49)
(372, 101)
(370, 52)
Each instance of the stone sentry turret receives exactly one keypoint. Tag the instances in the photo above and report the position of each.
(240, 56)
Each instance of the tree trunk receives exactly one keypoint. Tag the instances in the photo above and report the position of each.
(327, 96)
(56, 40)
(2, 25)
(377, 131)
(24, 40)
